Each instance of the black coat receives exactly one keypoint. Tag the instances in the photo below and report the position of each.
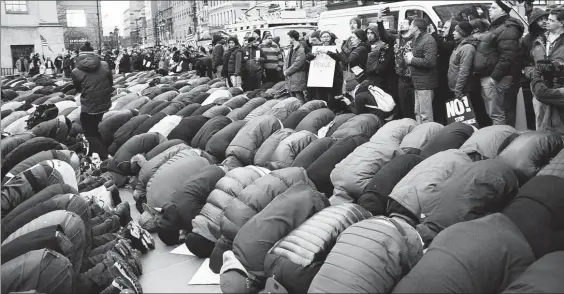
(149, 123)
(188, 128)
(218, 143)
(94, 80)
(450, 137)
(109, 126)
(125, 131)
(313, 151)
(543, 276)
(188, 110)
(27, 149)
(210, 128)
(162, 147)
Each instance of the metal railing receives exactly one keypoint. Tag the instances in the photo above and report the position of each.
(8, 71)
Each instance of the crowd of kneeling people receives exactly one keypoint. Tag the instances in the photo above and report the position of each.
(281, 192)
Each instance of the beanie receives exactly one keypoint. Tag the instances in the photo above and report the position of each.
(257, 31)
(464, 28)
(361, 34)
(420, 23)
(504, 5)
(251, 39)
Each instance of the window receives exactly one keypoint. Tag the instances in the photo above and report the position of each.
(416, 13)
(446, 12)
(76, 18)
(16, 6)
(390, 21)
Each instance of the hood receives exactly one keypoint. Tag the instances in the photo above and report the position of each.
(375, 30)
(535, 15)
(509, 21)
(470, 40)
(88, 62)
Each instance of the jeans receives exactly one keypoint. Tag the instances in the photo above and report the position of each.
(90, 124)
(529, 109)
(218, 70)
(236, 81)
(494, 97)
(406, 97)
(424, 105)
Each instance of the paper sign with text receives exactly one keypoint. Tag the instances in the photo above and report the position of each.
(322, 68)
(460, 110)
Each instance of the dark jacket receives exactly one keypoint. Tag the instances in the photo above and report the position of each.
(125, 131)
(401, 46)
(235, 61)
(138, 144)
(450, 137)
(527, 43)
(125, 64)
(380, 62)
(294, 69)
(460, 264)
(424, 63)
(460, 66)
(26, 150)
(218, 143)
(498, 49)
(210, 128)
(94, 82)
(549, 114)
(357, 57)
(313, 151)
(188, 128)
(543, 276)
(217, 54)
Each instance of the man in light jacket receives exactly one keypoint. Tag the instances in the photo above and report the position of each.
(460, 64)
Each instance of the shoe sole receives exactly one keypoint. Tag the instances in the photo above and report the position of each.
(121, 270)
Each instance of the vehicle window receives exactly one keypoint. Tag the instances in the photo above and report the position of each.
(417, 13)
(390, 20)
(283, 34)
(462, 11)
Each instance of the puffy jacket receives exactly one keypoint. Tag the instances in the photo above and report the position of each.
(243, 111)
(284, 214)
(496, 54)
(186, 203)
(58, 128)
(262, 109)
(283, 108)
(166, 125)
(139, 144)
(251, 136)
(217, 54)
(424, 63)
(235, 63)
(543, 276)
(417, 191)
(26, 150)
(125, 131)
(218, 143)
(451, 136)
(188, 110)
(285, 153)
(294, 119)
(295, 260)
(375, 197)
(362, 124)
(315, 120)
(145, 126)
(94, 82)
(351, 176)
(217, 110)
(207, 223)
(169, 177)
(473, 191)
(109, 126)
(314, 150)
(64, 155)
(10, 143)
(162, 147)
(210, 128)
(254, 59)
(419, 136)
(460, 66)
(188, 128)
(252, 200)
(530, 152)
(380, 62)
(395, 131)
(265, 151)
(555, 167)
(487, 142)
(370, 256)
(236, 102)
(149, 169)
(460, 264)
(294, 69)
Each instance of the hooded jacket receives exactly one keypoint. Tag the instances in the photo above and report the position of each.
(362, 124)
(380, 62)
(549, 107)
(460, 264)
(460, 66)
(370, 256)
(527, 42)
(169, 177)
(295, 260)
(218, 143)
(139, 144)
(543, 276)
(94, 81)
(26, 150)
(284, 214)
(486, 142)
(496, 54)
(473, 191)
(266, 150)
(242, 112)
(419, 136)
(207, 223)
(285, 153)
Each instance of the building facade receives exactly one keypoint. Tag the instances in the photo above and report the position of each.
(22, 24)
(222, 12)
(81, 22)
(183, 20)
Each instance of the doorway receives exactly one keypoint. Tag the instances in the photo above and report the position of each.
(18, 50)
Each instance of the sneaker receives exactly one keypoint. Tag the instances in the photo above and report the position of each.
(118, 286)
(130, 255)
(140, 238)
(124, 212)
(121, 270)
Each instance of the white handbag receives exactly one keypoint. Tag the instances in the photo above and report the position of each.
(384, 101)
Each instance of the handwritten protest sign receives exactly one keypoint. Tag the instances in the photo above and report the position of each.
(322, 68)
(460, 110)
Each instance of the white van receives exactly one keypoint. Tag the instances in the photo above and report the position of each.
(337, 21)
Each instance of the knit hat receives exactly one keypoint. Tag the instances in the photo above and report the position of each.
(536, 14)
(420, 23)
(86, 47)
(464, 28)
(351, 84)
(361, 34)
(257, 31)
(251, 39)
(504, 5)
(478, 25)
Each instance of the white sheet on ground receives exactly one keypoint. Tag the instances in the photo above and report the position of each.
(204, 275)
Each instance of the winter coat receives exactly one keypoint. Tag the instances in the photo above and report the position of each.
(555, 167)
(150, 106)
(284, 214)
(149, 169)
(294, 71)
(356, 57)
(417, 191)
(207, 223)
(12, 142)
(94, 81)
(530, 152)
(251, 136)
(242, 112)
(261, 110)
(310, 153)
(125, 131)
(451, 136)
(14, 116)
(292, 121)
(375, 197)
(58, 128)
(188, 128)
(235, 62)
(473, 191)
(283, 108)
(315, 120)
(460, 66)
(217, 144)
(463, 266)
(170, 176)
(395, 131)
(64, 155)
(527, 42)
(496, 54)
(253, 60)
(295, 260)
(362, 124)
(370, 256)
(320, 170)
(424, 63)
(109, 127)
(543, 276)
(188, 110)
(251, 201)
(166, 96)
(285, 153)
(145, 126)
(186, 203)
(236, 102)
(162, 147)
(419, 136)
(200, 111)
(266, 149)
(166, 125)
(549, 106)
(72, 226)
(26, 150)
(487, 142)
(210, 128)
(217, 110)
(380, 63)
(139, 144)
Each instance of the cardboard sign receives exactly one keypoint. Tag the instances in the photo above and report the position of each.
(460, 110)
(322, 68)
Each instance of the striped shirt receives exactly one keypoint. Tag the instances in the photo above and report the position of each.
(274, 58)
